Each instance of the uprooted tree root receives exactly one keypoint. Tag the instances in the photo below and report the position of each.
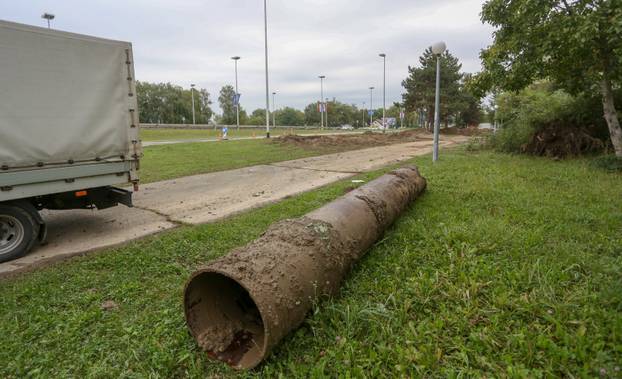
(559, 141)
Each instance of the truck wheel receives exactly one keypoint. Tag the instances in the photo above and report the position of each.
(18, 231)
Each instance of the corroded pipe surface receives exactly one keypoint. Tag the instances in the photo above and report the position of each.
(240, 306)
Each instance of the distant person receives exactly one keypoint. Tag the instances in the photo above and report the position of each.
(225, 130)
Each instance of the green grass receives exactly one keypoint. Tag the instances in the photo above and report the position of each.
(174, 161)
(508, 266)
(186, 134)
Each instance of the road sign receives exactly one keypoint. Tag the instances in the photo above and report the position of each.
(370, 113)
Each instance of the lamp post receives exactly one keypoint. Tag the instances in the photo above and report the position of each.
(192, 92)
(437, 49)
(265, 19)
(364, 111)
(322, 77)
(273, 110)
(326, 112)
(237, 94)
(48, 17)
(384, 92)
(371, 105)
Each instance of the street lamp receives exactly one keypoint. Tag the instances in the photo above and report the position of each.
(265, 21)
(364, 111)
(384, 92)
(437, 49)
(192, 92)
(322, 77)
(273, 110)
(326, 112)
(237, 94)
(371, 105)
(48, 17)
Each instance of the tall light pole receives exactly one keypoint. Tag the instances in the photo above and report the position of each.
(265, 20)
(364, 111)
(384, 92)
(322, 77)
(192, 92)
(237, 94)
(371, 105)
(48, 17)
(437, 49)
(273, 110)
(326, 112)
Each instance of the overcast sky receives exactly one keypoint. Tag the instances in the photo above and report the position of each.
(191, 41)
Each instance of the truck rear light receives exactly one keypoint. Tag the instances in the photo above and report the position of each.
(81, 193)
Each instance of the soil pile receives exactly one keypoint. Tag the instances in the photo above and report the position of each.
(354, 141)
(558, 141)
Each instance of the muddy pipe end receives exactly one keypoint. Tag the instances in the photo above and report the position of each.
(224, 319)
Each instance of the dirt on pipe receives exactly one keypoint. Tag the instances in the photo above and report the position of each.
(240, 306)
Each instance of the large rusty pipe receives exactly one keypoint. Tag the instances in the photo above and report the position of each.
(240, 306)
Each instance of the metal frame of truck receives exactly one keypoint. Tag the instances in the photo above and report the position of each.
(84, 183)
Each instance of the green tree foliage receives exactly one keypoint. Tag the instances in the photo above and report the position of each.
(312, 115)
(338, 114)
(420, 87)
(575, 43)
(290, 117)
(257, 118)
(229, 117)
(544, 104)
(170, 104)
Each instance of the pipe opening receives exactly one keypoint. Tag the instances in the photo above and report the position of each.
(225, 320)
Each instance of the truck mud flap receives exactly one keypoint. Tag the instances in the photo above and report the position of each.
(116, 196)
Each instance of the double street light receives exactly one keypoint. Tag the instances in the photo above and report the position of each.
(384, 92)
(437, 49)
(322, 105)
(237, 94)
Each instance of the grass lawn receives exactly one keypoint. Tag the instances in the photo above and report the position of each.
(174, 161)
(185, 134)
(507, 267)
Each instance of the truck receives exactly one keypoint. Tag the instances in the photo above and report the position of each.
(69, 129)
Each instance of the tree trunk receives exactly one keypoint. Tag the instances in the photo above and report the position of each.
(611, 116)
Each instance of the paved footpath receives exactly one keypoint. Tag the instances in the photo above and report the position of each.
(205, 198)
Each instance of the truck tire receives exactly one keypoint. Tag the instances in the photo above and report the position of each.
(18, 230)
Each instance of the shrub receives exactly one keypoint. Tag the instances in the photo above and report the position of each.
(543, 120)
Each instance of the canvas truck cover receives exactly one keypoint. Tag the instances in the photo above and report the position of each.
(65, 99)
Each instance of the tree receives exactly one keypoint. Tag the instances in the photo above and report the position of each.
(338, 114)
(312, 115)
(290, 117)
(420, 86)
(225, 100)
(577, 44)
(258, 117)
(170, 104)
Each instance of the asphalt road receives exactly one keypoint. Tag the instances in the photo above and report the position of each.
(204, 198)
